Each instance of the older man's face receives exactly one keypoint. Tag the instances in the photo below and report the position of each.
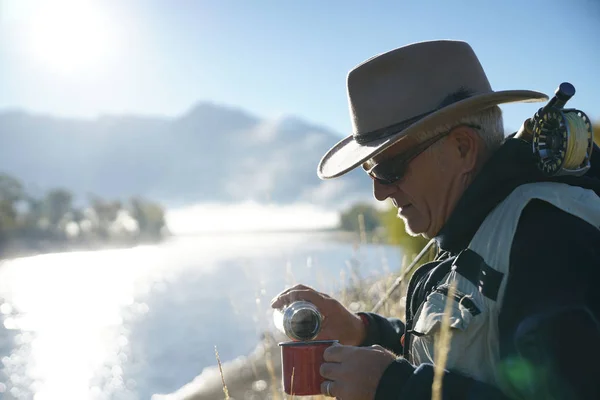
(433, 182)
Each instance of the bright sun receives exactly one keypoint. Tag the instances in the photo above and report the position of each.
(71, 35)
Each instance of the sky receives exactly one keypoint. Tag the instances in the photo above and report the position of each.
(85, 58)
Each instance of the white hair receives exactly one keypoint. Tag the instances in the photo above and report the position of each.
(491, 123)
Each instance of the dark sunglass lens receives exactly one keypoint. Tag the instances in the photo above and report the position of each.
(388, 174)
(392, 170)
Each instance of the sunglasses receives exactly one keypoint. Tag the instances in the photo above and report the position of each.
(393, 169)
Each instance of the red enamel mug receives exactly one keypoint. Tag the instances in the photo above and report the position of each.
(301, 365)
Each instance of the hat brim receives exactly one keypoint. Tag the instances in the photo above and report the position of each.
(348, 154)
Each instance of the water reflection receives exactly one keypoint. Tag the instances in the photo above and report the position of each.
(68, 310)
(125, 324)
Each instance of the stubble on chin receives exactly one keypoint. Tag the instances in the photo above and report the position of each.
(407, 229)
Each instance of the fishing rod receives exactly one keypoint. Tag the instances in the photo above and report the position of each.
(405, 272)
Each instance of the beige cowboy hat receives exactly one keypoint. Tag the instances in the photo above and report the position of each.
(411, 89)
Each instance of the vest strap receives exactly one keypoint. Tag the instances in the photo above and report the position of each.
(472, 266)
(461, 299)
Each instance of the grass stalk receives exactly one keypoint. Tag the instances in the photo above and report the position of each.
(442, 346)
(362, 229)
(273, 375)
(292, 383)
(225, 390)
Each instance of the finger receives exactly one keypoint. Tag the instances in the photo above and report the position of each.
(383, 349)
(286, 297)
(296, 295)
(337, 353)
(298, 286)
(331, 371)
(328, 388)
(277, 299)
(294, 288)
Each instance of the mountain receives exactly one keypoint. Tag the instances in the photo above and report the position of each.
(212, 153)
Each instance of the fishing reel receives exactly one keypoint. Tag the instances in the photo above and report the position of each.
(562, 139)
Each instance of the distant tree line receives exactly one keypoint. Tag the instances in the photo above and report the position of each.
(53, 222)
(383, 226)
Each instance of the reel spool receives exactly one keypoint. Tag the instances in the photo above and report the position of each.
(562, 139)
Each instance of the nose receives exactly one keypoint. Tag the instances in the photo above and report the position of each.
(382, 192)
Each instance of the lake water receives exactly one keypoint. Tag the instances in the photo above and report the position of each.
(127, 324)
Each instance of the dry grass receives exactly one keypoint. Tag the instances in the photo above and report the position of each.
(292, 382)
(225, 390)
(276, 391)
(384, 293)
(442, 346)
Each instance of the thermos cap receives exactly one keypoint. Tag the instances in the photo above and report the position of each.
(302, 321)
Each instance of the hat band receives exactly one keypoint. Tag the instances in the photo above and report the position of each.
(382, 133)
(364, 138)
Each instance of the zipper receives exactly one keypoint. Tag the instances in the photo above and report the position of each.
(417, 275)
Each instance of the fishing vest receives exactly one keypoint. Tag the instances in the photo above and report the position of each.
(480, 274)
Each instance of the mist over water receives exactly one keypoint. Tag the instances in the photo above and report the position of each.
(249, 217)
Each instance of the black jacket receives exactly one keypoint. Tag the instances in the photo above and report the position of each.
(548, 326)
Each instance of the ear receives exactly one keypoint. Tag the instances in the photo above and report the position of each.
(467, 147)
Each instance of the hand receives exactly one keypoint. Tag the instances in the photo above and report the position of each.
(354, 372)
(339, 323)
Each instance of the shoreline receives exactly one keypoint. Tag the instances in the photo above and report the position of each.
(29, 248)
(256, 375)
(19, 248)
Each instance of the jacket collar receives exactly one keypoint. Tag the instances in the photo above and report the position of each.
(512, 165)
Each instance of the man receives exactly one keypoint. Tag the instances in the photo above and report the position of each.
(521, 249)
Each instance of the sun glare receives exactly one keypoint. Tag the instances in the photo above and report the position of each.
(71, 35)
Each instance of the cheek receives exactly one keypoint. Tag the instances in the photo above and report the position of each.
(424, 190)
